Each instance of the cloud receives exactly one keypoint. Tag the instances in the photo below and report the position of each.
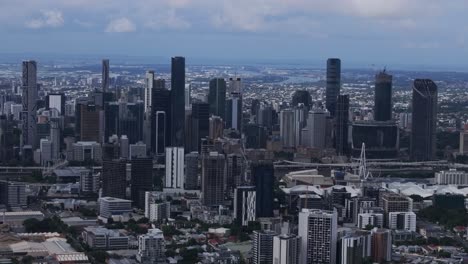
(121, 25)
(48, 18)
(168, 20)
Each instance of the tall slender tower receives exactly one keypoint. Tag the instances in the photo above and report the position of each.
(178, 101)
(383, 97)
(217, 97)
(149, 85)
(105, 75)
(333, 84)
(341, 125)
(423, 132)
(287, 128)
(29, 98)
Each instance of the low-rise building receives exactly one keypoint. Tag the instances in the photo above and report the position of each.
(103, 238)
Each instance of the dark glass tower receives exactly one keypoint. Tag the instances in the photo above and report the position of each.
(383, 97)
(200, 124)
(302, 97)
(142, 180)
(341, 125)
(160, 120)
(177, 101)
(105, 75)
(424, 118)
(333, 84)
(217, 97)
(263, 175)
(114, 178)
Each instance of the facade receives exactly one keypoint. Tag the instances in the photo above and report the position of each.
(99, 238)
(286, 249)
(383, 97)
(263, 175)
(200, 124)
(213, 175)
(318, 232)
(287, 128)
(86, 151)
(151, 247)
(451, 177)
(174, 168)
(316, 124)
(262, 247)
(333, 84)
(110, 206)
(235, 172)
(354, 248)
(424, 120)
(149, 85)
(402, 221)
(234, 111)
(160, 121)
(156, 206)
(217, 97)
(141, 180)
(137, 150)
(341, 125)
(13, 194)
(381, 250)
(373, 219)
(90, 123)
(177, 102)
(114, 178)
(392, 202)
(105, 75)
(56, 101)
(191, 171)
(463, 145)
(29, 98)
(302, 97)
(244, 204)
(381, 139)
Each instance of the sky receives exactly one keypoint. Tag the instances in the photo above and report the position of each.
(361, 32)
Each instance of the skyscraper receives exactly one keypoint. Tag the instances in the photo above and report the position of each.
(217, 97)
(105, 75)
(235, 85)
(341, 125)
(244, 204)
(151, 247)
(56, 101)
(423, 131)
(213, 175)
(264, 177)
(200, 124)
(286, 249)
(149, 85)
(177, 101)
(114, 178)
(262, 247)
(235, 172)
(191, 171)
(354, 248)
(141, 180)
(333, 84)
(160, 121)
(234, 112)
(30, 87)
(381, 245)
(316, 126)
(174, 168)
(302, 97)
(90, 123)
(383, 97)
(318, 232)
(287, 128)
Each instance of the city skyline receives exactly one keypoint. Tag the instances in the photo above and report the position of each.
(359, 32)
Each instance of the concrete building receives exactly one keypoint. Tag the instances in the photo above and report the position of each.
(392, 202)
(286, 249)
(156, 206)
(451, 177)
(99, 238)
(318, 232)
(244, 204)
(191, 171)
(316, 124)
(13, 194)
(110, 206)
(402, 221)
(373, 219)
(86, 150)
(29, 101)
(174, 168)
(137, 150)
(262, 247)
(151, 247)
(354, 248)
(287, 128)
(381, 245)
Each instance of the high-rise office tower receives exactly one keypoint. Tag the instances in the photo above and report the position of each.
(333, 84)
(213, 175)
(381, 245)
(286, 249)
(105, 75)
(234, 112)
(160, 121)
(235, 85)
(90, 123)
(265, 116)
(174, 168)
(235, 175)
(188, 95)
(7, 138)
(244, 204)
(124, 147)
(424, 120)
(149, 86)
(177, 101)
(114, 178)
(200, 124)
(254, 107)
(318, 232)
(191, 171)
(29, 98)
(123, 118)
(56, 101)
(55, 137)
(392, 202)
(300, 121)
(354, 248)
(151, 247)
(287, 128)
(383, 97)
(341, 125)
(262, 247)
(302, 97)
(141, 180)
(263, 175)
(217, 97)
(316, 127)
